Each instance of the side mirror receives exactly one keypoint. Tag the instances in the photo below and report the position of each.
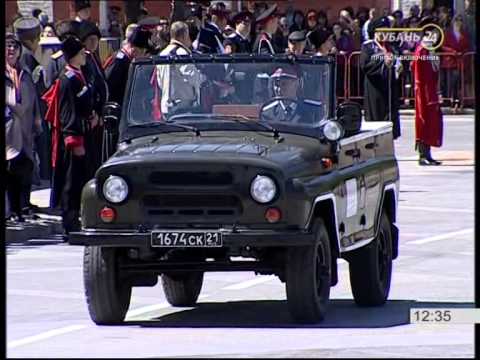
(349, 114)
(111, 115)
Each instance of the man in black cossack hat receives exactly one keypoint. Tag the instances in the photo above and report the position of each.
(268, 21)
(381, 65)
(83, 10)
(240, 37)
(89, 35)
(70, 111)
(210, 38)
(116, 69)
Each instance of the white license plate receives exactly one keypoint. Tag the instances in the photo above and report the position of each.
(203, 239)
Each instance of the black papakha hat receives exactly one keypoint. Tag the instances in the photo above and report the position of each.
(87, 28)
(297, 36)
(67, 28)
(318, 37)
(82, 4)
(241, 16)
(71, 46)
(140, 38)
(27, 28)
(219, 9)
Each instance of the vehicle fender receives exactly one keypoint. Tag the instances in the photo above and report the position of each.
(89, 197)
(325, 207)
(389, 202)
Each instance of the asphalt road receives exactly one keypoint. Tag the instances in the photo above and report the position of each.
(240, 315)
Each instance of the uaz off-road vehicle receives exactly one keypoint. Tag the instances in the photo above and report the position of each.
(228, 157)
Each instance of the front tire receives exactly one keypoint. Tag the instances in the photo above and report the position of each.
(371, 268)
(108, 298)
(308, 275)
(182, 289)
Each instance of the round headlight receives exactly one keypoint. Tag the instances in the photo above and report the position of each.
(115, 189)
(332, 130)
(263, 189)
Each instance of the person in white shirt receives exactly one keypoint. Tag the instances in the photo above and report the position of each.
(179, 84)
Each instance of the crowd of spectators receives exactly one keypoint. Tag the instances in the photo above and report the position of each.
(344, 32)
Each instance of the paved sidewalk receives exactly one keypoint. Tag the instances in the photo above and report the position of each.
(445, 111)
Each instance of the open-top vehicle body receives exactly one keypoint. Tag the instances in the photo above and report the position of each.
(239, 163)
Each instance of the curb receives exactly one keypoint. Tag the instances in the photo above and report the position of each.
(445, 111)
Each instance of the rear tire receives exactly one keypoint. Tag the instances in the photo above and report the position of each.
(108, 298)
(308, 275)
(182, 289)
(371, 268)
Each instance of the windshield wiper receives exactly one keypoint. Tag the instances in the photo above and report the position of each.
(242, 119)
(168, 123)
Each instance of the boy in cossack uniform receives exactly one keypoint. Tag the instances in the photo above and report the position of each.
(57, 61)
(71, 104)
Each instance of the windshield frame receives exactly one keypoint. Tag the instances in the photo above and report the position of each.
(228, 59)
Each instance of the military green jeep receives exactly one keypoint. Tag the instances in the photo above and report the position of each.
(239, 163)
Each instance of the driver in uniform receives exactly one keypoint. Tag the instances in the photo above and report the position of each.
(288, 104)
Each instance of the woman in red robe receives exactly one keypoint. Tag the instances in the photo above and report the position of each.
(428, 116)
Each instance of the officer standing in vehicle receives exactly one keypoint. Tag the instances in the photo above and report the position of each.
(268, 21)
(210, 38)
(288, 104)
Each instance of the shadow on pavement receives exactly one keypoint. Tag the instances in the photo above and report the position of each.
(15, 247)
(274, 314)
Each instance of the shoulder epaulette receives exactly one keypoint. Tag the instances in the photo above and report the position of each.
(57, 55)
(70, 74)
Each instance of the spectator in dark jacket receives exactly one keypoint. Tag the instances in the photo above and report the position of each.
(298, 21)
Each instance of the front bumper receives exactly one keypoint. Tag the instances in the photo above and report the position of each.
(252, 238)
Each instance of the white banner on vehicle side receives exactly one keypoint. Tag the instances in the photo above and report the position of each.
(351, 185)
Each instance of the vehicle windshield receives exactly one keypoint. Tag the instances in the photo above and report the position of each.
(296, 94)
